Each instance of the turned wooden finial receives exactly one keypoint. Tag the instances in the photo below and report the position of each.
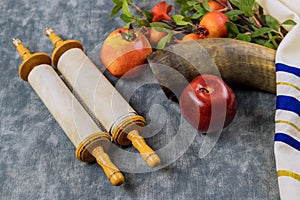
(29, 60)
(61, 46)
(112, 172)
(127, 132)
(93, 148)
(147, 153)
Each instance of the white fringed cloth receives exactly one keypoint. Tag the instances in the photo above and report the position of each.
(287, 118)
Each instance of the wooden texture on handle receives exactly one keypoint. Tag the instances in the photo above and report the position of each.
(112, 172)
(147, 153)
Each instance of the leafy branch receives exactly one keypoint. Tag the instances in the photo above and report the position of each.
(247, 21)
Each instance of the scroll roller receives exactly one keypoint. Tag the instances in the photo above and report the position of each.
(100, 96)
(90, 141)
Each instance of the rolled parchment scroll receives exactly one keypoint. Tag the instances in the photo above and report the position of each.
(100, 96)
(90, 141)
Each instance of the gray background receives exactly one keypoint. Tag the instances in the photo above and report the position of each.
(38, 161)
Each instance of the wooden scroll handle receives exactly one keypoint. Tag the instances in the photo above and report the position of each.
(112, 172)
(147, 153)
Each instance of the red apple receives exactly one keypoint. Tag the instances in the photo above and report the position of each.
(124, 52)
(208, 103)
(215, 23)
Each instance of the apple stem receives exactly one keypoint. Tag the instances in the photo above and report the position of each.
(203, 89)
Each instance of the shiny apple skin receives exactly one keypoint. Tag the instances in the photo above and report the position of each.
(124, 58)
(215, 23)
(198, 98)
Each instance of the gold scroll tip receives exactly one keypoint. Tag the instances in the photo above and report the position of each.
(16, 42)
(49, 31)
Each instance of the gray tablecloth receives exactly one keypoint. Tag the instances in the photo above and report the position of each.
(38, 161)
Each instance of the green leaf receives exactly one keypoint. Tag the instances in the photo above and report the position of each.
(273, 40)
(232, 28)
(179, 20)
(185, 9)
(163, 42)
(160, 29)
(244, 5)
(197, 15)
(127, 25)
(233, 13)
(244, 37)
(199, 8)
(270, 45)
(125, 18)
(272, 22)
(142, 22)
(181, 1)
(125, 9)
(115, 11)
(200, 11)
(235, 2)
(118, 2)
(247, 7)
(260, 41)
(160, 25)
(205, 5)
(289, 22)
(149, 15)
(191, 3)
(261, 31)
